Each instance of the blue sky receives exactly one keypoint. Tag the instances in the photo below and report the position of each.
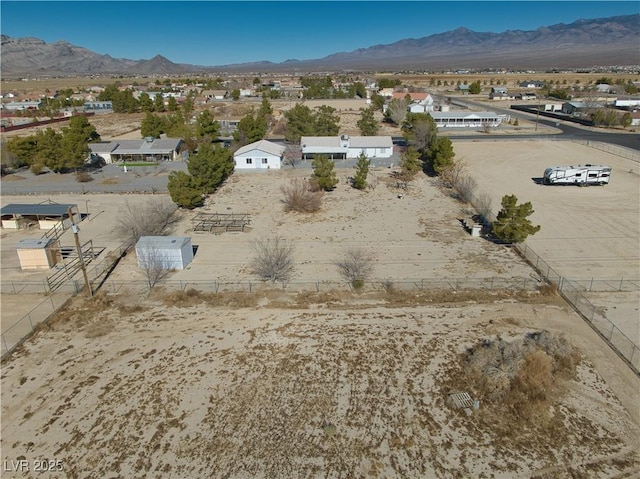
(219, 33)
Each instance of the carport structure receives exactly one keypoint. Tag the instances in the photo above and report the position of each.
(48, 216)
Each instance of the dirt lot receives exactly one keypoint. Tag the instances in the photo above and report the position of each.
(328, 385)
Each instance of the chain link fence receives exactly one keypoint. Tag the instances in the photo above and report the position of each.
(626, 153)
(573, 291)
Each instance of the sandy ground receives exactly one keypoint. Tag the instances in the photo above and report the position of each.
(303, 385)
(341, 389)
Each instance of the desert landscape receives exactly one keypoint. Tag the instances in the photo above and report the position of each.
(316, 380)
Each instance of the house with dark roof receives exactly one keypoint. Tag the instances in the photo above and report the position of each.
(147, 149)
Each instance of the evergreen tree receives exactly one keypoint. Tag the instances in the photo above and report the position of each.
(49, 150)
(146, 104)
(420, 132)
(210, 167)
(362, 171)
(152, 125)
(300, 122)
(75, 141)
(207, 128)
(367, 123)
(410, 164)
(324, 175)
(512, 224)
(172, 104)
(326, 122)
(250, 128)
(158, 103)
(182, 190)
(441, 155)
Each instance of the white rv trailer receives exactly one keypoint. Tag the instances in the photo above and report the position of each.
(581, 175)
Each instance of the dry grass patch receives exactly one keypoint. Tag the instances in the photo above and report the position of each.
(193, 297)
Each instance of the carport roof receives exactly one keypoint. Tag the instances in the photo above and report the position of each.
(36, 210)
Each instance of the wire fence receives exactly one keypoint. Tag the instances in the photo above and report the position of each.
(573, 291)
(627, 153)
(15, 334)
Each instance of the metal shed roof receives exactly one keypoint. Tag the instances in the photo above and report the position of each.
(34, 243)
(162, 242)
(36, 210)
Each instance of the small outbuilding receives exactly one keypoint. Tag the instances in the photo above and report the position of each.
(40, 253)
(165, 252)
(261, 154)
(46, 215)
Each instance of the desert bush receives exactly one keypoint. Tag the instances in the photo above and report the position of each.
(152, 218)
(451, 174)
(300, 196)
(466, 187)
(523, 373)
(355, 266)
(483, 206)
(36, 168)
(83, 177)
(273, 259)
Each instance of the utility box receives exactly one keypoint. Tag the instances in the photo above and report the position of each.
(164, 252)
(37, 254)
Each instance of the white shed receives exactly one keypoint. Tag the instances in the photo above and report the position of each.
(169, 252)
(38, 253)
(261, 154)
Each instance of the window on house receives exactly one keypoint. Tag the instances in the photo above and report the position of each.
(249, 161)
(264, 161)
(383, 150)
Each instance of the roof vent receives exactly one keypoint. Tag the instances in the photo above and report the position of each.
(149, 139)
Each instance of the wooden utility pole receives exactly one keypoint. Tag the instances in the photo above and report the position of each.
(76, 230)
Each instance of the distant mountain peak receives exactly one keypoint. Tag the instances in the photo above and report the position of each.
(576, 45)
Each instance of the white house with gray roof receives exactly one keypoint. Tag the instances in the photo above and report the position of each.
(261, 154)
(147, 149)
(345, 146)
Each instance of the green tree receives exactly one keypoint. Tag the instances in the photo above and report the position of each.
(420, 132)
(389, 82)
(49, 151)
(152, 125)
(235, 94)
(250, 128)
(75, 141)
(441, 155)
(410, 164)
(326, 122)
(300, 122)
(626, 120)
(146, 104)
(475, 88)
(172, 104)
(324, 175)
(367, 122)
(207, 128)
(512, 224)
(158, 103)
(182, 190)
(210, 167)
(24, 148)
(396, 111)
(188, 104)
(362, 171)
(377, 101)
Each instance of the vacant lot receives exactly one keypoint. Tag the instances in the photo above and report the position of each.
(311, 385)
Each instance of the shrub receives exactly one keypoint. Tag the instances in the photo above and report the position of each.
(83, 177)
(273, 259)
(299, 196)
(36, 168)
(356, 266)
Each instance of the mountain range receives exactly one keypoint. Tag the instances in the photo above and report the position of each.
(581, 44)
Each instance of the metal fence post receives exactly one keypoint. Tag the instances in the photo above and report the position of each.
(621, 280)
(4, 340)
(591, 285)
(13, 284)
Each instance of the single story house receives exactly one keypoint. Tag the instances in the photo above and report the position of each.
(261, 154)
(627, 102)
(575, 107)
(527, 95)
(21, 105)
(457, 119)
(531, 84)
(425, 105)
(147, 149)
(499, 89)
(345, 146)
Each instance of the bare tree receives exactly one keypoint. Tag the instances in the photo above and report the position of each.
(273, 259)
(152, 218)
(466, 187)
(300, 196)
(397, 110)
(355, 266)
(483, 205)
(292, 155)
(451, 174)
(155, 264)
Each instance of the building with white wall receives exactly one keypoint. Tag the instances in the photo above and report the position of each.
(345, 146)
(261, 154)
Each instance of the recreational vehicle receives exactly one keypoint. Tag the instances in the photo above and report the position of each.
(581, 175)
